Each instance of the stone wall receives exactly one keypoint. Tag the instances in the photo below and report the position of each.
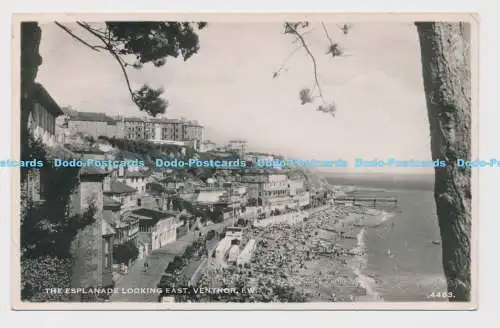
(87, 247)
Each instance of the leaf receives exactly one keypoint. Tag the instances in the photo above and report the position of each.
(292, 27)
(305, 96)
(335, 50)
(345, 28)
(329, 109)
(150, 101)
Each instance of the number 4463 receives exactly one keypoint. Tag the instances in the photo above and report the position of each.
(440, 295)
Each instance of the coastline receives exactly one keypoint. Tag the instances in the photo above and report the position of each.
(347, 227)
(320, 259)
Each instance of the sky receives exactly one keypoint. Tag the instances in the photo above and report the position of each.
(229, 88)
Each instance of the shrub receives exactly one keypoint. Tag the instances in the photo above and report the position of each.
(210, 234)
(125, 252)
(37, 274)
(188, 252)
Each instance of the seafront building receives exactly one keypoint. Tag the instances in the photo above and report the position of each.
(270, 187)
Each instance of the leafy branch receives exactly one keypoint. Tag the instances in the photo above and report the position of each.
(149, 42)
(109, 47)
(293, 29)
(334, 49)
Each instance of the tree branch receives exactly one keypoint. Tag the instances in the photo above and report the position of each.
(315, 66)
(67, 30)
(286, 60)
(297, 40)
(326, 33)
(111, 50)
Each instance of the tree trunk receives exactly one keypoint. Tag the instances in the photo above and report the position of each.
(445, 55)
(31, 35)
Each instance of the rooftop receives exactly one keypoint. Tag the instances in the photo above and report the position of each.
(127, 155)
(93, 171)
(42, 96)
(209, 197)
(90, 117)
(60, 152)
(155, 187)
(107, 229)
(117, 187)
(135, 174)
(153, 214)
(110, 202)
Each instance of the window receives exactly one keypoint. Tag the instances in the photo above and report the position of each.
(139, 202)
(107, 254)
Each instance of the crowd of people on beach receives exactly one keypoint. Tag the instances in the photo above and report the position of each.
(301, 262)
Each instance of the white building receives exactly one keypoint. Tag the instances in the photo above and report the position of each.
(207, 146)
(239, 146)
(221, 250)
(234, 233)
(304, 199)
(233, 253)
(133, 177)
(288, 218)
(300, 197)
(246, 254)
(165, 232)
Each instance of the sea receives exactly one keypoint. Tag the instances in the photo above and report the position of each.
(401, 259)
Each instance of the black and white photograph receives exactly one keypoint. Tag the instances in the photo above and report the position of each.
(244, 161)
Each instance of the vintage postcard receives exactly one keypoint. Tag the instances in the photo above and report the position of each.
(245, 161)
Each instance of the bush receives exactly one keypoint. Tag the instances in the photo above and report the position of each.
(49, 229)
(176, 264)
(125, 252)
(210, 234)
(37, 274)
(188, 252)
(217, 216)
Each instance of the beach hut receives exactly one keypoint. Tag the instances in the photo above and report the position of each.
(221, 250)
(234, 251)
(247, 252)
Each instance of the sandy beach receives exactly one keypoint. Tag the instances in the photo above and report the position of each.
(318, 260)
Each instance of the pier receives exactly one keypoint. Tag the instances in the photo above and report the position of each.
(370, 201)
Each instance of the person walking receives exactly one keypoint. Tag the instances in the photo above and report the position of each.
(146, 266)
